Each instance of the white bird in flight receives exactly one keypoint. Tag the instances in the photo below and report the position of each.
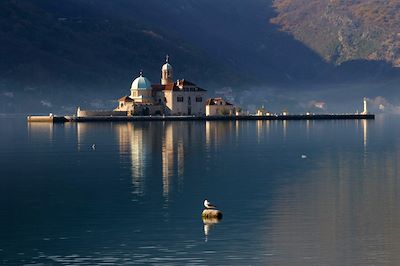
(208, 205)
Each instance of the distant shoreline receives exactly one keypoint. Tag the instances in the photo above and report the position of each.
(65, 119)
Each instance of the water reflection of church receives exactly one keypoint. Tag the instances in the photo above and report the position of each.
(158, 152)
(168, 98)
(160, 149)
(141, 144)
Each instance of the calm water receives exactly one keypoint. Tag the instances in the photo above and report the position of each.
(137, 198)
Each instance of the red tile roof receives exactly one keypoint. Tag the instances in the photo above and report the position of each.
(217, 101)
(125, 99)
(174, 86)
(186, 82)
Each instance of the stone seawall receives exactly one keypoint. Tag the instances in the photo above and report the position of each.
(100, 113)
(47, 119)
(218, 118)
(111, 116)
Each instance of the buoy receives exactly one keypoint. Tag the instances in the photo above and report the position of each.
(211, 214)
(304, 156)
(211, 221)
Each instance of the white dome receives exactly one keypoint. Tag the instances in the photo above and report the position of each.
(141, 83)
(167, 66)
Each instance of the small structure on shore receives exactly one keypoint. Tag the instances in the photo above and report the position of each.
(262, 111)
(365, 112)
(219, 107)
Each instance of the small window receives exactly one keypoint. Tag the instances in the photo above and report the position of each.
(199, 99)
(122, 104)
(179, 99)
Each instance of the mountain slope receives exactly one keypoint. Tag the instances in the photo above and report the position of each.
(77, 43)
(102, 42)
(341, 31)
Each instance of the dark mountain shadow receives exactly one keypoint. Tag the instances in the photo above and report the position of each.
(366, 70)
(237, 33)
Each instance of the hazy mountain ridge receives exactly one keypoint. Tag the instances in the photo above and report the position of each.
(344, 30)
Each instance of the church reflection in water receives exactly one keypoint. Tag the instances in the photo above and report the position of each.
(160, 149)
(172, 156)
(133, 144)
(147, 146)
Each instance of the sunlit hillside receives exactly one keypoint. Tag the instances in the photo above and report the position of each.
(344, 30)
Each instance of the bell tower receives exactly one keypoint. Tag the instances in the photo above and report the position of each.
(167, 72)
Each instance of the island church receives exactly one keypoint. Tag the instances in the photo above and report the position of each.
(168, 98)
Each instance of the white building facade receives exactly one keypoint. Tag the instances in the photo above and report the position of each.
(167, 98)
(219, 107)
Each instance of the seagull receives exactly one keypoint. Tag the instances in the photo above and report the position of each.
(208, 205)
